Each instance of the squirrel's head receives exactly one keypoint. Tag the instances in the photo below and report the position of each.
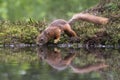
(42, 39)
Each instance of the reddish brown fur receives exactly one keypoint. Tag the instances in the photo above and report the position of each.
(54, 31)
(88, 17)
(59, 26)
(54, 57)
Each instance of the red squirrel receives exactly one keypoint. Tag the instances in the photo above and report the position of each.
(59, 26)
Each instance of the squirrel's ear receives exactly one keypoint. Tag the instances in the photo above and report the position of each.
(47, 33)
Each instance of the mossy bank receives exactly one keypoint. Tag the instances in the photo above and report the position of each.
(26, 31)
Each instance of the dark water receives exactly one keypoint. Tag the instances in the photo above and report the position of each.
(53, 63)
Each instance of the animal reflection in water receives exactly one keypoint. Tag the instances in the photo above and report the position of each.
(54, 58)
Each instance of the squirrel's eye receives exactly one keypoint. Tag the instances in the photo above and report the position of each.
(41, 50)
(41, 39)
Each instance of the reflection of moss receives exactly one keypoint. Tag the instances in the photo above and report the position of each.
(29, 59)
(17, 55)
(110, 57)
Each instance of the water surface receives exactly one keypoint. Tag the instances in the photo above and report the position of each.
(54, 63)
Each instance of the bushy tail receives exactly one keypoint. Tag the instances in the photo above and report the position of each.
(88, 17)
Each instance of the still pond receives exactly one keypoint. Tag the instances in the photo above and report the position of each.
(55, 63)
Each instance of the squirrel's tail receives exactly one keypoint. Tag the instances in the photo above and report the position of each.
(88, 17)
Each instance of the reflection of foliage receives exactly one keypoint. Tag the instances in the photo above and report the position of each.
(110, 57)
(13, 71)
(22, 64)
(113, 61)
(17, 56)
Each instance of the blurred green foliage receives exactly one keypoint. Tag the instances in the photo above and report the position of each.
(39, 9)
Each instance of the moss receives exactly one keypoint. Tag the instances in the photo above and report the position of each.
(87, 30)
(14, 33)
